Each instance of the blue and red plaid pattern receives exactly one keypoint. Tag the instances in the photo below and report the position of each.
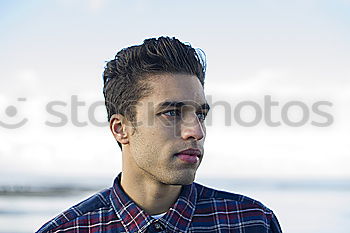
(198, 209)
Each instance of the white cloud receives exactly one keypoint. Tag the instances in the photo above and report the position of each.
(96, 5)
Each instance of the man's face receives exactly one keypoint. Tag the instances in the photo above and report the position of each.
(169, 121)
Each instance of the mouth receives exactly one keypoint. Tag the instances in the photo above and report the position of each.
(190, 155)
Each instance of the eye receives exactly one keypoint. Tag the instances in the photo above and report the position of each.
(172, 113)
(201, 116)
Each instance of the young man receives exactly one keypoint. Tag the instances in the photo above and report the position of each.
(156, 108)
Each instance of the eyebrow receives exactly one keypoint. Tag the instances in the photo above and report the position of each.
(180, 104)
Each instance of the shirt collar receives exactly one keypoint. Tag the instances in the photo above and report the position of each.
(134, 219)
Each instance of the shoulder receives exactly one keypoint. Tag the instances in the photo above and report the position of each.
(207, 193)
(86, 210)
(233, 207)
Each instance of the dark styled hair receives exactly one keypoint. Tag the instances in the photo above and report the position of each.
(125, 76)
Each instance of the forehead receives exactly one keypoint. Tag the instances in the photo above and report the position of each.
(176, 87)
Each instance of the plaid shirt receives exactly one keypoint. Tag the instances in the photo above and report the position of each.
(198, 209)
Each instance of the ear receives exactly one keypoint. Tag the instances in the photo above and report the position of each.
(118, 128)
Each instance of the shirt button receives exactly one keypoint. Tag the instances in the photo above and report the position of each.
(158, 226)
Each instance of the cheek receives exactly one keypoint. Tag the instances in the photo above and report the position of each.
(166, 129)
(158, 140)
(149, 139)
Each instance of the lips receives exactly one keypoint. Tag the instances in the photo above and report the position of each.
(189, 155)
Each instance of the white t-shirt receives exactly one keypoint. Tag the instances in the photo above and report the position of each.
(158, 216)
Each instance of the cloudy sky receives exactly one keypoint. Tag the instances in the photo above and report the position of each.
(293, 53)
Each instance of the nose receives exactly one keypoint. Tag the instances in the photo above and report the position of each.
(193, 129)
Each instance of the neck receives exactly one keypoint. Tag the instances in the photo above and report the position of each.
(149, 194)
(145, 190)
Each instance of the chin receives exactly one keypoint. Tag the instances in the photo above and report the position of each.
(184, 178)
